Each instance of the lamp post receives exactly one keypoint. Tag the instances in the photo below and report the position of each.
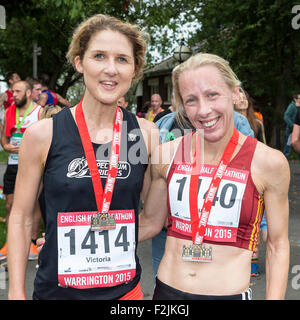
(182, 52)
(2, 18)
(37, 51)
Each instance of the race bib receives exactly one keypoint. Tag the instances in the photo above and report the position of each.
(224, 218)
(15, 139)
(89, 259)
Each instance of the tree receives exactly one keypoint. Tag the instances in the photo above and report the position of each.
(51, 23)
(257, 38)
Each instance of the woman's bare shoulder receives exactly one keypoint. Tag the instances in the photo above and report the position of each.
(269, 167)
(40, 130)
(37, 138)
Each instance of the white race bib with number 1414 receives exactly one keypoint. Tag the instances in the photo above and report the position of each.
(90, 259)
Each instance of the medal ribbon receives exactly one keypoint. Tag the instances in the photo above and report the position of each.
(198, 225)
(18, 123)
(103, 199)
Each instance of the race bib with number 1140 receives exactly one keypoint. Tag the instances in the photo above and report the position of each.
(224, 219)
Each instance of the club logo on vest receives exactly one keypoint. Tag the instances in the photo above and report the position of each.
(78, 168)
(132, 136)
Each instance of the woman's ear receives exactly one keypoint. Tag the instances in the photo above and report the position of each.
(78, 65)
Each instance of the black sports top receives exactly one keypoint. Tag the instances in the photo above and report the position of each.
(67, 187)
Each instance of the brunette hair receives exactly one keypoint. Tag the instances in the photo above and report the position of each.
(32, 81)
(295, 96)
(251, 117)
(99, 22)
(10, 76)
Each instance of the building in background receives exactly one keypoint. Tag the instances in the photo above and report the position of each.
(158, 78)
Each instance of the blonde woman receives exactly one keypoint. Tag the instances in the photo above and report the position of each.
(49, 111)
(213, 191)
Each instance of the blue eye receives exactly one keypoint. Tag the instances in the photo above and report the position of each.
(212, 94)
(122, 59)
(190, 100)
(99, 56)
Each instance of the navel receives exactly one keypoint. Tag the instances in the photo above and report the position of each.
(193, 274)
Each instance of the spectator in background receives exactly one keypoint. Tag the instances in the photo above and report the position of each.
(36, 88)
(289, 118)
(245, 107)
(145, 108)
(6, 98)
(123, 102)
(12, 133)
(258, 113)
(295, 139)
(49, 97)
(155, 107)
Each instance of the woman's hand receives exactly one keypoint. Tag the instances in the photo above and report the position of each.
(40, 242)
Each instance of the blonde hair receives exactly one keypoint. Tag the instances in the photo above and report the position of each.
(84, 32)
(48, 111)
(194, 62)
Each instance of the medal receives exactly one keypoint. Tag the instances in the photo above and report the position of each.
(197, 252)
(103, 220)
(27, 111)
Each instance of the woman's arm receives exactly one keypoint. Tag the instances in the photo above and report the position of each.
(153, 217)
(33, 152)
(275, 179)
(151, 137)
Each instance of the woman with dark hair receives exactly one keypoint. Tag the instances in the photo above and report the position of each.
(91, 181)
(245, 107)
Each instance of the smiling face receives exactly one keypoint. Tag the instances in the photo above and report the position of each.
(208, 101)
(107, 66)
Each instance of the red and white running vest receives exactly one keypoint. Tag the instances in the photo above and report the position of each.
(237, 209)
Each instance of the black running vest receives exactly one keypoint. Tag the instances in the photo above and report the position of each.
(66, 188)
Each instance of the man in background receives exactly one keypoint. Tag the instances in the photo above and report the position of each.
(6, 98)
(155, 107)
(295, 140)
(289, 118)
(36, 89)
(49, 97)
(18, 117)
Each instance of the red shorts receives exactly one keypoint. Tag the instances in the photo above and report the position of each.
(135, 294)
